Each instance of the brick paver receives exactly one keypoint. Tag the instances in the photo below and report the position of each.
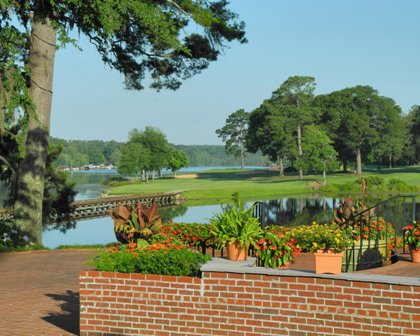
(39, 290)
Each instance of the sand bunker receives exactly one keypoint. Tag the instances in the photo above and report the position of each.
(187, 176)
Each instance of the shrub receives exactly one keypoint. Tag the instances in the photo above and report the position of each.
(159, 258)
(395, 184)
(11, 236)
(372, 182)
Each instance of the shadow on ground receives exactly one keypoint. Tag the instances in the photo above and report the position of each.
(68, 319)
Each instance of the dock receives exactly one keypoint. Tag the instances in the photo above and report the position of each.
(100, 207)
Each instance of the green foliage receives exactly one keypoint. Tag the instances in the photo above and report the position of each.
(134, 158)
(234, 134)
(176, 160)
(318, 152)
(11, 235)
(165, 41)
(156, 144)
(397, 185)
(372, 182)
(59, 191)
(274, 126)
(165, 261)
(76, 153)
(412, 234)
(136, 225)
(276, 248)
(215, 155)
(235, 224)
(411, 152)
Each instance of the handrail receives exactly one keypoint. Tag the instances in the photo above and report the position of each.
(365, 219)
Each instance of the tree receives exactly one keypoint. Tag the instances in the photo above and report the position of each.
(134, 37)
(365, 123)
(270, 132)
(318, 152)
(412, 126)
(296, 96)
(156, 143)
(58, 189)
(176, 160)
(133, 160)
(234, 134)
(279, 120)
(390, 132)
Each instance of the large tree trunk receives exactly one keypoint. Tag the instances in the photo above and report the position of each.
(30, 185)
(299, 141)
(358, 162)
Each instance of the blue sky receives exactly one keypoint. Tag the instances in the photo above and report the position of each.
(340, 43)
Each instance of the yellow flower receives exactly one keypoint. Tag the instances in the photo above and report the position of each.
(314, 244)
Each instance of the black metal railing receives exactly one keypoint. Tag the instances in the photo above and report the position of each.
(375, 229)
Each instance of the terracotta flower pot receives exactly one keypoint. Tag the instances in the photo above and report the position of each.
(415, 254)
(236, 252)
(327, 261)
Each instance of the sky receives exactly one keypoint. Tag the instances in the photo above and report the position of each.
(342, 43)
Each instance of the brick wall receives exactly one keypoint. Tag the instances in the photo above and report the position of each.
(244, 304)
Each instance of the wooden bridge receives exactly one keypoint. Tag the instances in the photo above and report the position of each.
(101, 207)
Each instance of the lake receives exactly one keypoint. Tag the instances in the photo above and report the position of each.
(284, 211)
(100, 230)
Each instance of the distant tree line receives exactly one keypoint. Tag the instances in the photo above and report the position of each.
(78, 153)
(347, 127)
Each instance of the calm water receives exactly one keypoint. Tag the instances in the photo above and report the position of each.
(285, 211)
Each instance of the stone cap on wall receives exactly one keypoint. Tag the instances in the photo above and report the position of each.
(223, 265)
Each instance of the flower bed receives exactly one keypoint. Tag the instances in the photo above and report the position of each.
(158, 258)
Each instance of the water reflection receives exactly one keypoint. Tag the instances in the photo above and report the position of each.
(89, 183)
(297, 211)
(286, 211)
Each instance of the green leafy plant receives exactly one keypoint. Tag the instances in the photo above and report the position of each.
(235, 224)
(412, 234)
(136, 224)
(158, 258)
(276, 248)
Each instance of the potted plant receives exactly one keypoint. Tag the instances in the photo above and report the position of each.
(136, 225)
(237, 229)
(412, 237)
(328, 243)
(277, 248)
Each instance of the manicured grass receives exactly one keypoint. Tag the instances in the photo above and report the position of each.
(215, 186)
